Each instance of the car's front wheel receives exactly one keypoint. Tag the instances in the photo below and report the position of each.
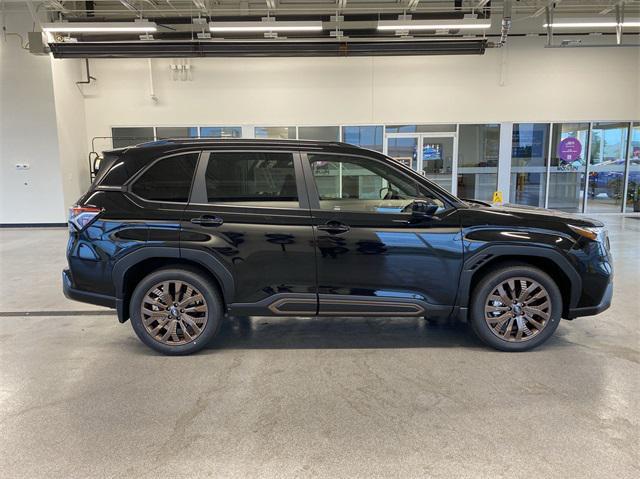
(176, 311)
(516, 308)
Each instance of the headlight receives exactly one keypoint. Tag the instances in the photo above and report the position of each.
(591, 232)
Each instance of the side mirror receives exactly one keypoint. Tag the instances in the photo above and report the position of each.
(423, 209)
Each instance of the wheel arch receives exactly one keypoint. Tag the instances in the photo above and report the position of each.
(551, 261)
(128, 271)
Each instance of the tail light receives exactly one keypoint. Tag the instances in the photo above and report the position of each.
(81, 216)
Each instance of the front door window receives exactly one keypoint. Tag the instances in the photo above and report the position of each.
(349, 183)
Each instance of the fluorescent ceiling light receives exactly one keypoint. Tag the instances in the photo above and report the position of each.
(634, 22)
(265, 26)
(100, 27)
(592, 22)
(465, 24)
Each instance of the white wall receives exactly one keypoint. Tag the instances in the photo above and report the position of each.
(28, 134)
(47, 121)
(71, 122)
(541, 85)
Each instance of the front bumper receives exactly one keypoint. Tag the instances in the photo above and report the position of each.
(84, 296)
(604, 304)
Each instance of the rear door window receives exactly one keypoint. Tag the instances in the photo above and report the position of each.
(168, 179)
(252, 179)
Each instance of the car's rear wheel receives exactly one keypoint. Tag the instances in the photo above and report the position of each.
(516, 308)
(176, 311)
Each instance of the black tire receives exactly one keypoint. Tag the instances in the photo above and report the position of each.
(214, 312)
(488, 285)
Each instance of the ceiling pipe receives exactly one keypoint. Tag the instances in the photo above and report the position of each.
(505, 28)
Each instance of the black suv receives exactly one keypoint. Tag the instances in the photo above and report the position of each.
(175, 234)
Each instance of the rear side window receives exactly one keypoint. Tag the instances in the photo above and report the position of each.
(168, 179)
(117, 174)
(252, 178)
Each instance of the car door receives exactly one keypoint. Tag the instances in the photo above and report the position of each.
(373, 258)
(249, 214)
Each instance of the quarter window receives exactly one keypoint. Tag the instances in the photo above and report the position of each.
(252, 179)
(168, 179)
(353, 183)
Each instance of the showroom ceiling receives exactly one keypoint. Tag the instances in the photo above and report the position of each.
(318, 27)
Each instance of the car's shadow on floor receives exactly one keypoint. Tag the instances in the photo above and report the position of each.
(345, 333)
(340, 333)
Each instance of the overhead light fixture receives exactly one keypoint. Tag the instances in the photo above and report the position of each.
(408, 24)
(264, 26)
(594, 22)
(633, 22)
(100, 27)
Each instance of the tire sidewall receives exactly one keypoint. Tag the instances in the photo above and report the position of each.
(488, 284)
(210, 293)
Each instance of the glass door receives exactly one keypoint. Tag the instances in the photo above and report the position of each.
(436, 160)
(431, 154)
(404, 149)
(607, 165)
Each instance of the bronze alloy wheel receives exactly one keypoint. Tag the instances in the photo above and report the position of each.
(174, 312)
(518, 309)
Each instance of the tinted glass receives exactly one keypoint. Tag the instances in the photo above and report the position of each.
(607, 167)
(176, 132)
(117, 175)
(478, 161)
(276, 132)
(529, 161)
(633, 188)
(352, 183)
(131, 136)
(252, 178)
(321, 133)
(365, 136)
(221, 131)
(568, 166)
(420, 128)
(168, 179)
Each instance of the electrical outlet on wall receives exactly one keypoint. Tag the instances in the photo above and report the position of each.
(22, 166)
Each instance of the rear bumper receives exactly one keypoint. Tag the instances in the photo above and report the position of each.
(604, 304)
(84, 296)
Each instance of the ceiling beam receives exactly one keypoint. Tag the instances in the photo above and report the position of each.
(55, 5)
(412, 5)
(612, 7)
(200, 5)
(129, 6)
(548, 5)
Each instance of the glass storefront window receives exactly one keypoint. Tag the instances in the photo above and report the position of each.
(404, 149)
(276, 132)
(131, 135)
(607, 164)
(633, 187)
(478, 148)
(435, 128)
(529, 151)
(365, 136)
(221, 132)
(163, 132)
(568, 166)
(320, 133)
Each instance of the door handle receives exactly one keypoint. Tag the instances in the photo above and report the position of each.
(334, 227)
(207, 221)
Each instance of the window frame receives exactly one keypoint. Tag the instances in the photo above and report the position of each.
(314, 197)
(200, 197)
(127, 187)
